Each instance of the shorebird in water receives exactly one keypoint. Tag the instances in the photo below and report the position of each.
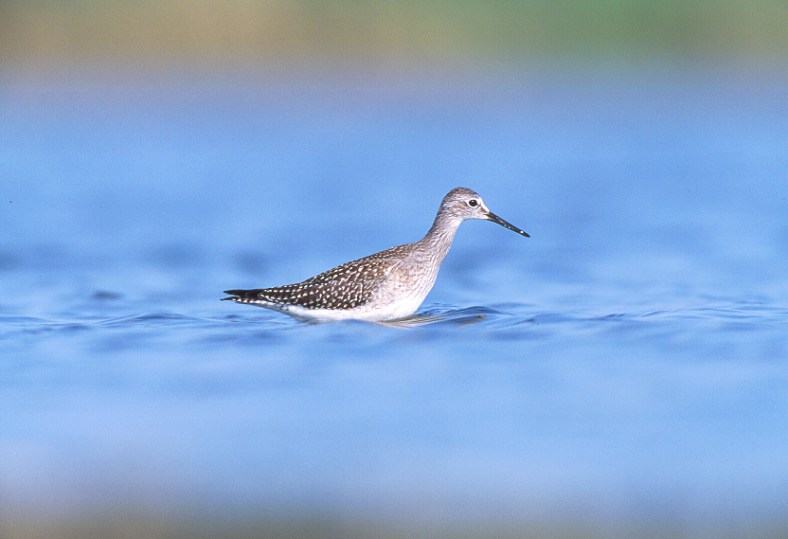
(388, 285)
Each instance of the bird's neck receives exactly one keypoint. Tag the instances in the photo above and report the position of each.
(440, 236)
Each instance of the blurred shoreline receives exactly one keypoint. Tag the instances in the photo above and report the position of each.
(373, 36)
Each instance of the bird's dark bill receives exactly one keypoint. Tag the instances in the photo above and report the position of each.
(495, 219)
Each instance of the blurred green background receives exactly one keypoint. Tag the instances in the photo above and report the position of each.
(366, 33)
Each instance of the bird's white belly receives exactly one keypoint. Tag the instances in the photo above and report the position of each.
(371, 312)
(397, 302)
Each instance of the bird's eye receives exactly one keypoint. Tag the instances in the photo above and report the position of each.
(472, 202)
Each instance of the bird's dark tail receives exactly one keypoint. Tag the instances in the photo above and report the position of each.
(240, 295)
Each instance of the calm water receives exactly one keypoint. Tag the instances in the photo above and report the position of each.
(624, 369)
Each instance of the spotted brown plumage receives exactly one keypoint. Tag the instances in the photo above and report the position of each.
(387, 285)
(347, 286)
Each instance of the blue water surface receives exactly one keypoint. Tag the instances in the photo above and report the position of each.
(624, 369)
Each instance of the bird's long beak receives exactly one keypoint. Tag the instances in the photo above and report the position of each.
(495, 219)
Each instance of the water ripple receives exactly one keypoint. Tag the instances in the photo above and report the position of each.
(505, 318)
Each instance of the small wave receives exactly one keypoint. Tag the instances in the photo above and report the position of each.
(147, 319)
(507, 318)
(448, 317)
(735, 312)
